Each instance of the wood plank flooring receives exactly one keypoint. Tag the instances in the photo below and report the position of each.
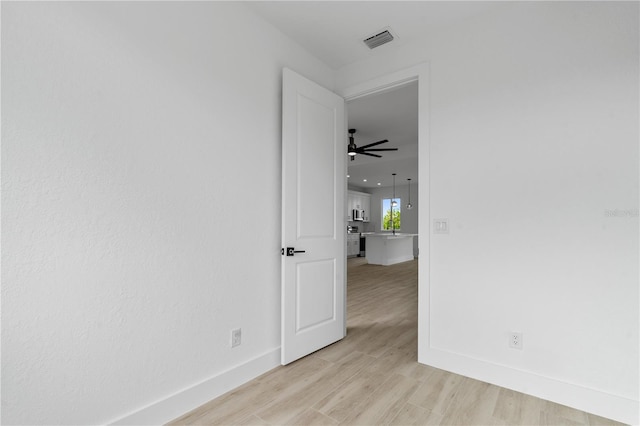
(372, 377)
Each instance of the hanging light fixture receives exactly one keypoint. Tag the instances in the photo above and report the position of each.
(409, 205)
(351, 149)
(394, 203)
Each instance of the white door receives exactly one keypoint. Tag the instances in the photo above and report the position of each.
(314, 140)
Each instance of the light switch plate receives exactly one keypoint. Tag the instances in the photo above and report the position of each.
(440, 226)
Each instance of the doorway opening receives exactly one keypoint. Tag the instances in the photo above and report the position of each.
(382, 278)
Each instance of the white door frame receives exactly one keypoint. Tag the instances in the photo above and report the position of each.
(418, 73)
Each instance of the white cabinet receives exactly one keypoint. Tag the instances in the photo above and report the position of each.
(366, 206)
(360, 201)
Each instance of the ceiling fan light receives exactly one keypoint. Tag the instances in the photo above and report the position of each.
(351, 149)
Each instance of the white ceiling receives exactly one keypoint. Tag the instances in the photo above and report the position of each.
(333, 32)
(391, 115)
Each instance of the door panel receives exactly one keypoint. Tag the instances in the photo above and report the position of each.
(313, 201)
(315, 169)
(316, 291)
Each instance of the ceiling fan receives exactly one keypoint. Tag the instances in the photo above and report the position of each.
(365, 149)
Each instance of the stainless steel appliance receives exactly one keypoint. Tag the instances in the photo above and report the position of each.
(358, 215)
(353, 241)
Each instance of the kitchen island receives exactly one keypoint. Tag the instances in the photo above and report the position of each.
(388, 249)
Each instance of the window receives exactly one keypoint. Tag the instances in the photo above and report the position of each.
(386, 214)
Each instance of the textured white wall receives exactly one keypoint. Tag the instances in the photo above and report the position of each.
(533, 115)
(141, 200)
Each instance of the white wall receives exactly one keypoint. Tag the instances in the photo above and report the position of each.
(533, 113)
(128, 251)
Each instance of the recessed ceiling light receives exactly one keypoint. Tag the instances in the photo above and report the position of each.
(379, 184)
(348, 176)
(364, 180)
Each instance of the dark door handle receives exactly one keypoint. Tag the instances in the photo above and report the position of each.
(291, 251)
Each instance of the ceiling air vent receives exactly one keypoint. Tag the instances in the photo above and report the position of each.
(378, 39)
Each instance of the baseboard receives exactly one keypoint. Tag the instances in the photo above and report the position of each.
(592, 401)
(186, 400)
(399, 259)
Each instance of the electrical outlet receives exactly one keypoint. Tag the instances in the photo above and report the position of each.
(236, 337)
(515, 340)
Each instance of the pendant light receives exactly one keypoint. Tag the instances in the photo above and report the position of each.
(409, 205)
(393, 203)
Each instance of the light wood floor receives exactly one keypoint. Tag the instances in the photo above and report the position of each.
(372, 377)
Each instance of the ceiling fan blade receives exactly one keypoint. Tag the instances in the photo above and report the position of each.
(373, 144)
(380, 149)
(371, 155)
